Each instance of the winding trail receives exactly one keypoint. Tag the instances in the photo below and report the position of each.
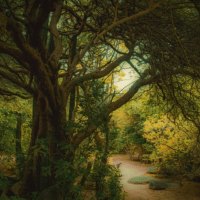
(129, 169)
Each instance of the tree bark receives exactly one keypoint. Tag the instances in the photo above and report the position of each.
(48, 136)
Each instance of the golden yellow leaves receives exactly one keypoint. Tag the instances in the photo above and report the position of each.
(168, 136)
(121, 118)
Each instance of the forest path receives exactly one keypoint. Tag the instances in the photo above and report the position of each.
(129, 169)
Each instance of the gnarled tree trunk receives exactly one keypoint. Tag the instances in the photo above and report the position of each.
(46, 146)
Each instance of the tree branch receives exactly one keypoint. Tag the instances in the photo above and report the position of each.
(56, 54)
(142, 81)
(13, 52)
(134, 17)
(5, 92)
(127, 19)
(78, 138)
(10, 78)
(101, 73)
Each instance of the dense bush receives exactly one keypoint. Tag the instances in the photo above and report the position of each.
(174, 143)
(152, 170)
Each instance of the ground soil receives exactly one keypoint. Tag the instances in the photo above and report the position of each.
(129, 169)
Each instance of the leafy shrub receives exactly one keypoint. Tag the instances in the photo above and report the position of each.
(175, 144)
(109, 178)
(152, 170)
(115, 187)
(3, 182)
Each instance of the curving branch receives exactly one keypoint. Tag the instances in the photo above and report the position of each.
(5, 92)
(14, 53)
(57, 52)
(100, 73)
(127, 19)
(145, 79)
(98, 36)
(9, 77)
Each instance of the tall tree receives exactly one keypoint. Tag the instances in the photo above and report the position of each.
(51, 48)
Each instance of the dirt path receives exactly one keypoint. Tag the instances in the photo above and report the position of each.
(129, 169)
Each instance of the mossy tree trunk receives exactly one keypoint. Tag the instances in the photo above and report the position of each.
(46, 146)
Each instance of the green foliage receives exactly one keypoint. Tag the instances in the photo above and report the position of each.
(152, 170)
(93, 102)
(136, 144)
(64, 171)
(173, 146)
(4, 197)
(138, 139)
(114, 186)
(134, 131)
(7, 131)
(4, 183)
(8, 119)
(119, 144)
(108, 177)
(116, 139)
(16, 198)
(7, 163)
